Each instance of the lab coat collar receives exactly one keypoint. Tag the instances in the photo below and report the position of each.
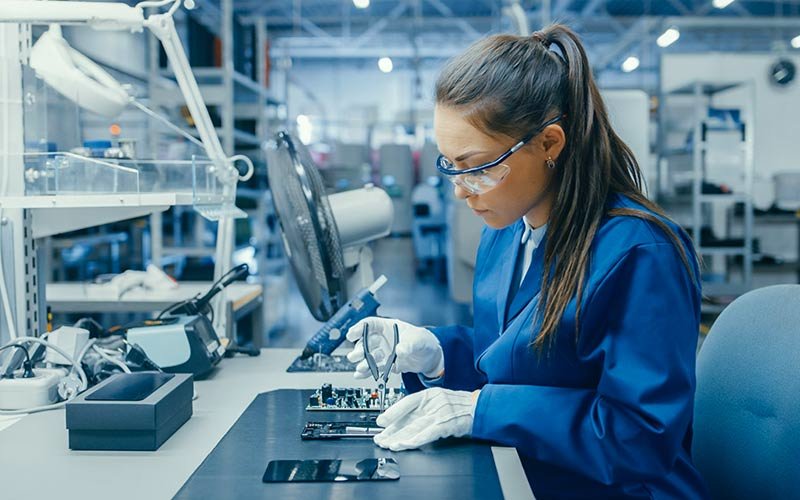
(507, 276)
(532, 281)
(531, 284)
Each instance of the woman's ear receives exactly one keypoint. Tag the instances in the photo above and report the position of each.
(553, 140)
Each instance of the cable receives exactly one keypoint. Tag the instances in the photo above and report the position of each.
(27, 354)
(76, 366)
(120, 364)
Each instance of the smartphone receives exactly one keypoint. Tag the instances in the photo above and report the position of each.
(328, 471)
(340, 430)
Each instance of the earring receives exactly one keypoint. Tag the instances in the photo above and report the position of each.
(551, 164)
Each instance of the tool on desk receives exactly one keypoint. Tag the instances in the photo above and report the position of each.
(326, 471)
(182, 344)
(373, 365)
(334, 331)
(182, 339)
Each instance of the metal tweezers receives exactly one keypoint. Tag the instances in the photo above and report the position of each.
(373, 366)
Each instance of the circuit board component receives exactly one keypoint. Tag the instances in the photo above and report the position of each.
(328, 398)
(340, 430)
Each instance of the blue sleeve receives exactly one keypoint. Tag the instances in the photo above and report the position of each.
(641, 325)
(460, 373)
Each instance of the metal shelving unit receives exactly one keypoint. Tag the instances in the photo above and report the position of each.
(705, 207)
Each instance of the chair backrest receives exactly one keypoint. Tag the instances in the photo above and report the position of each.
(747, 408)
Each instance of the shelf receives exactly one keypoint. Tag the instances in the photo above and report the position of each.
(721, 250)
(211, 83)
(59, 214)
(97, 200)
(714, 289)
(706, 88)
(732, 197)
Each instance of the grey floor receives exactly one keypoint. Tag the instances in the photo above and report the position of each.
(420, 300)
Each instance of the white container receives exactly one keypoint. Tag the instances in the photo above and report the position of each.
(787, 190)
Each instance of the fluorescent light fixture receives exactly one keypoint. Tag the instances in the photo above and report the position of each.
(385, 64)
(796, 42)
(668, 37)
(630, 64)
(361, 4)
(721, 4)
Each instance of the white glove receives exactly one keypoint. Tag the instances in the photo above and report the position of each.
(418, 350)
(424, 417)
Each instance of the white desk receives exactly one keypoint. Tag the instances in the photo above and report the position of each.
(35, 461)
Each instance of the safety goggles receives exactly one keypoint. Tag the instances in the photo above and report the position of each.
(484, 178)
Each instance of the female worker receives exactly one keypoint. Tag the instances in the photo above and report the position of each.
(586, 297)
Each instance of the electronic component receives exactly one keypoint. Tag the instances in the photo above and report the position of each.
(340, 430)
(322, 363)
(328, 398)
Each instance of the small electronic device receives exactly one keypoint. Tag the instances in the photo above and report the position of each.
(329, 398)
(340, 430)
(180, 344)
(328, 471)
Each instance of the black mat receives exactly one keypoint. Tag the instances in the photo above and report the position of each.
(269, 429)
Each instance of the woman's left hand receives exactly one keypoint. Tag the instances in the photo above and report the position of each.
(426, 416)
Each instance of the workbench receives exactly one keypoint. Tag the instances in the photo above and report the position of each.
(37, 463)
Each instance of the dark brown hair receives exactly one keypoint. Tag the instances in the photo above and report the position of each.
(511, 85)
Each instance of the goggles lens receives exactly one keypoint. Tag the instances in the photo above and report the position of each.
(481, 182)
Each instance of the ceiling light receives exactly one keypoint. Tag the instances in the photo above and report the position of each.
(385, 64)
(796, 42)
(361, 4)
(721, 4)
(668, 37)
(630, 64)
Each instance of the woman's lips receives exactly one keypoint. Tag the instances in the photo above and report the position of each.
(479, 212)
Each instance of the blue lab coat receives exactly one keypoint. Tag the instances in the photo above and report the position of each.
(608, 415)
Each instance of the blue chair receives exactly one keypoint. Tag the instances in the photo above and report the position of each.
(747, 408)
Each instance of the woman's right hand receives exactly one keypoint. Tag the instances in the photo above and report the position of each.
(418, 350)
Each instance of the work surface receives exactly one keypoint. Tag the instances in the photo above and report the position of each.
(35, 461)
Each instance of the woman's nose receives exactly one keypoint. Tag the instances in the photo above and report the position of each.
(461, 193)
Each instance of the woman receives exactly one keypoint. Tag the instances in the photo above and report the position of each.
(586, 297)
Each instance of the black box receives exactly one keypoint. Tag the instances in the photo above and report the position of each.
(130, 412)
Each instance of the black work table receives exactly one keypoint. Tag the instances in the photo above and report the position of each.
(38, 443)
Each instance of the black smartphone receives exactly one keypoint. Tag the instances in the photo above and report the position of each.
(327, 471)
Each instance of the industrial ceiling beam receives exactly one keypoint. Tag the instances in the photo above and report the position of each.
(639, 32)
(458, 21)
(381, 24)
